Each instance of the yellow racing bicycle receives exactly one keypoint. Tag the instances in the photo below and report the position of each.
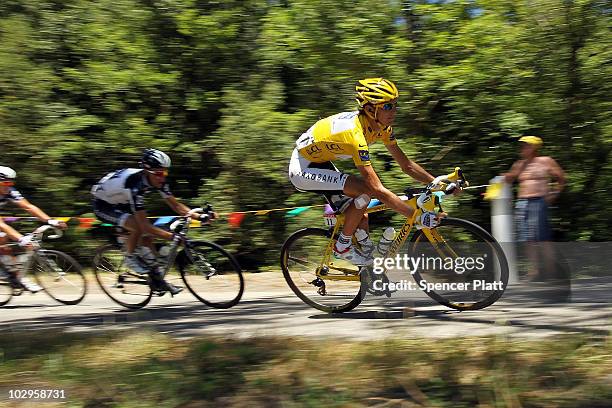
(458, 263)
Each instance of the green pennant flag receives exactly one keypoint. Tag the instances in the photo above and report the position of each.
(296, 211)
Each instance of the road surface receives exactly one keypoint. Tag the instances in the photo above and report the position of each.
(269, 308)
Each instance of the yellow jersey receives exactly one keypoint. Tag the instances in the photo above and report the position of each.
(342, 136)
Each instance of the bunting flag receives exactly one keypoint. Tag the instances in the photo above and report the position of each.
(85, 223)
(235, 219)
(493, 191)
(296, 211)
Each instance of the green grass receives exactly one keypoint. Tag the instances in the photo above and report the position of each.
(143, 369)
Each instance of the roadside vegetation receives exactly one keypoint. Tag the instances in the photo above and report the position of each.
(140, 369)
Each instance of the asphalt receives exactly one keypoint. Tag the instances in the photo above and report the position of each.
(269, 308)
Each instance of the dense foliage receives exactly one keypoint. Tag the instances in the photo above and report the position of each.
(226, 87)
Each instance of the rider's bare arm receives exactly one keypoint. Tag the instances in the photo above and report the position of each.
(376, 189)
(35, 211)
(182, 209)
(10, 231)
(147, 228)
(408, 166)
(179, 207)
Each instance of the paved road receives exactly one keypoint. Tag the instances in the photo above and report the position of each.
(269, 308)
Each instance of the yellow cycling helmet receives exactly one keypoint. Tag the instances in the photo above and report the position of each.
(375, 91)
(532, 140)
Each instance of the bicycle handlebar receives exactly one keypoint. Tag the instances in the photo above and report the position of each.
(38, 233)
(450, 184)
(179, 224)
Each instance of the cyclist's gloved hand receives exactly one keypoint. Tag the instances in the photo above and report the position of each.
(438, 181)
(449, 186)
(204, 218)
(26, 242)
(428, 219)
(57, 223)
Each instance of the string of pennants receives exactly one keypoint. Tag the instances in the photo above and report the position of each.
(235, 218)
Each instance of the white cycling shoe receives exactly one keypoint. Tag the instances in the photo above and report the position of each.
(30, 286)
(353, 256)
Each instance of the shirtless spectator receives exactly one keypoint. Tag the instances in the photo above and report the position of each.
(534, 174)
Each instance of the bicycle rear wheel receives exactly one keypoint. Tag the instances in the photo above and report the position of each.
(211, 274)
(337, 288)
(60, 275)
(122, 285)
(466, 267)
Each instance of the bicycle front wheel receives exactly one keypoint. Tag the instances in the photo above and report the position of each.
(211, 274)
(332, 287)
(461, 265)
(122, 285)
(60, 275)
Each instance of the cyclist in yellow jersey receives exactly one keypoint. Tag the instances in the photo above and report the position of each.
(348, 135)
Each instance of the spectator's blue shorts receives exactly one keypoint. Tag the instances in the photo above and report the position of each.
(531, 219)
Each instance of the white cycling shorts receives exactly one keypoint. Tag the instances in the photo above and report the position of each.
(308, 176)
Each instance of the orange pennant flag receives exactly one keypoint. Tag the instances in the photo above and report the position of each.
(235, 219)
(86, 222)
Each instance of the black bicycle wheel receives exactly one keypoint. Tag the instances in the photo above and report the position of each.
(337, 288)
(211, 274)
(466, 270)
(60, 275)
(6, 288)
(122, 285)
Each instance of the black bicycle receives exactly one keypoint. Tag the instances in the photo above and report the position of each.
(60, 276)
(210, 273)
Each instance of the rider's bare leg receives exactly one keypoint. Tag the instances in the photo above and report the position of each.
(354, 217)
(135, 234)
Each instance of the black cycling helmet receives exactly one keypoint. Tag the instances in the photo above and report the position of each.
(155, 159)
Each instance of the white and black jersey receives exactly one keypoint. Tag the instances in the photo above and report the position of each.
(126, 187)
(12, 196)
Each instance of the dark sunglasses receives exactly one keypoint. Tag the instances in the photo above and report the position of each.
(389, 106)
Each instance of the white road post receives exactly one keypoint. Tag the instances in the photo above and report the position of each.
(502, 225)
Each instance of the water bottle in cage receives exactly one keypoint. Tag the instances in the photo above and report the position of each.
(146, 255)
(385, 241)
(164, 250)
(364, 241)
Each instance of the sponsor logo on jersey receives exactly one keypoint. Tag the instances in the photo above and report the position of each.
(333, 147)
(313, 150)
(364, 155)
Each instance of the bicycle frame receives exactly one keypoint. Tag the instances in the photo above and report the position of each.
(432, 235)
(37, 236)
(184, 222)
